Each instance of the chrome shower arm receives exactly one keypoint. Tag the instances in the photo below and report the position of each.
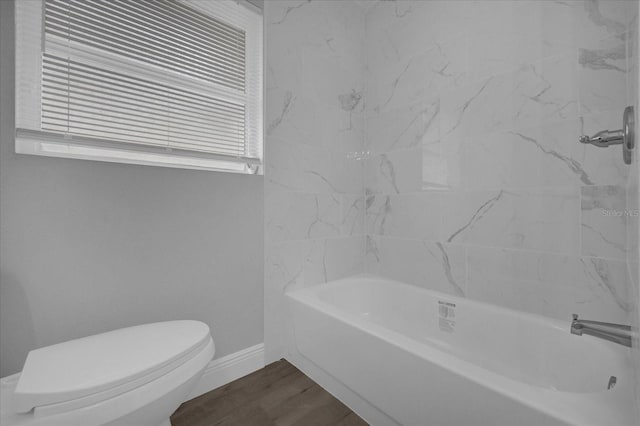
(604, 138)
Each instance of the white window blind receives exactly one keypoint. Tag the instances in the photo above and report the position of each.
(179, 80)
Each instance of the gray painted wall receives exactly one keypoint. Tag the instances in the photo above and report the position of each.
(87, 247)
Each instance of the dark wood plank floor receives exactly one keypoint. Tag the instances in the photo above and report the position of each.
(279, 394)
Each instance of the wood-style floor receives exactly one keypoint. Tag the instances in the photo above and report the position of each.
(279, 394)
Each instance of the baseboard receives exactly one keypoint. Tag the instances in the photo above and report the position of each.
(223, 370)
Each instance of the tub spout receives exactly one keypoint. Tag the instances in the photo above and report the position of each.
(617, 333)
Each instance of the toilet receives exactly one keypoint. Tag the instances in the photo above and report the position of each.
(132, 376)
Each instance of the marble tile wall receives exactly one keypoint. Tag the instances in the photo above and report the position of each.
(475, 183)
(436, 143)
(633, 192)
(314, 125)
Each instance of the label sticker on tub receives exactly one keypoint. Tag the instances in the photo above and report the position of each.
(446, 316)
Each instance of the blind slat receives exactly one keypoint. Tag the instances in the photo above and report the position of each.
(212, 123)
(233, 46)
(225, 67)
(103, 79)
(90, 130)
(87, 93)
(92, 23)
(160, 116)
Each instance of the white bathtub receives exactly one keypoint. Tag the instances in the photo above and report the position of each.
(425, 358)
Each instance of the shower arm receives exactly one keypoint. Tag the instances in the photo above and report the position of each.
(604, 138)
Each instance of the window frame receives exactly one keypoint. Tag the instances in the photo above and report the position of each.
(32, 140)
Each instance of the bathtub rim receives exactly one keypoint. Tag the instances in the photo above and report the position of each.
(616, 405)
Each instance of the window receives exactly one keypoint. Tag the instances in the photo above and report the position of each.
(165, 82)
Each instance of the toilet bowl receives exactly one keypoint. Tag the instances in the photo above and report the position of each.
(132, 376)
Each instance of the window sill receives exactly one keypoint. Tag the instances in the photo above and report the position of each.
(71, 149)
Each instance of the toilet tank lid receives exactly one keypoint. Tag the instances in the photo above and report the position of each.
(97, 363)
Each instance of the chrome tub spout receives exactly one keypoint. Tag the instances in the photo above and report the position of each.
(618, 333)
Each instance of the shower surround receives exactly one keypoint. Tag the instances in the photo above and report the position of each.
(436, 143)
(477, 185)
